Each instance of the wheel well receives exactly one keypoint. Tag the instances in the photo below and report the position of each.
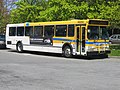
(66, 44)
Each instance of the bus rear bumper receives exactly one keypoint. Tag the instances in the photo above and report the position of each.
(98, 53)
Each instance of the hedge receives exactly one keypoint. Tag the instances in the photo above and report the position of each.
(115, 46)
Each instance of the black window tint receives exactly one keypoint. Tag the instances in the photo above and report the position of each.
(20, 31)
(29, 31)
(38, 31)
(61, 30)
(70, 30)
(114, 37)
(118, 37)
(49, 31)
(2, 37)
(12, 31)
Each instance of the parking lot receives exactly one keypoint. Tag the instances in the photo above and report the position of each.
(43, 71)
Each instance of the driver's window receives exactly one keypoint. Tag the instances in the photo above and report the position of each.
(93, 32)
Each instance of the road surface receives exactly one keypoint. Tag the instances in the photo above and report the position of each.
(43, 71)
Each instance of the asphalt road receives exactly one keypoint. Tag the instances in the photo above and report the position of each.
(43, 71)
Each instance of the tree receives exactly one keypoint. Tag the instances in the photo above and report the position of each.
(55, 10)
(5, 7)
(3, 15)
(105, 10)
(64, 10)
(26, 11)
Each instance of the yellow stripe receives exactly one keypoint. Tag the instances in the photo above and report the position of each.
(57, 41)
(96, 46)
(98, 40)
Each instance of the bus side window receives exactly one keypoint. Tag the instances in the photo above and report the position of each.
(29, 31)
(61, 30)
(12, 31)
(38, 31)
(20, 31)
(49, 31)
(70, 30)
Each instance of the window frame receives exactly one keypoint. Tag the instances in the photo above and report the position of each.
(15, 31)
(73, 30)
(61, 35)
(21, 30)
(53, 32)
(40, 36)
(29, 32)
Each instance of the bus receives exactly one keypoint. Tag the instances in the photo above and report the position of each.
(73, 37)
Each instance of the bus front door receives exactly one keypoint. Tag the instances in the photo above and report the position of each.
(83, 52)
(80, 40)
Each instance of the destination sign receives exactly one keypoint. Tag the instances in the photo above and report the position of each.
(98, 22)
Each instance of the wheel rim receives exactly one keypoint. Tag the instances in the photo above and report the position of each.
(19, 48)
(67, 52)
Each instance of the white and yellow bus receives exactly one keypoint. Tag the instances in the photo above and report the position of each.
(73, 37)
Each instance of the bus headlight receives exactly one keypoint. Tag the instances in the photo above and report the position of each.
(107, 48)
(92, 48)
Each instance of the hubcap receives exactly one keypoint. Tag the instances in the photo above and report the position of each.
(67, 52)
(19, 48)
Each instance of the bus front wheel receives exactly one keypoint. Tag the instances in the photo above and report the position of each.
(19, 47)
(67, 52)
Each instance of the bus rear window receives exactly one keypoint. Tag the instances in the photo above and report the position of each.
(12, 31)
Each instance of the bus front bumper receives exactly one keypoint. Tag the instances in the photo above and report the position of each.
(98, 52)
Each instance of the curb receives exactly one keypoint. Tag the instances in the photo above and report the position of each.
(114, 57)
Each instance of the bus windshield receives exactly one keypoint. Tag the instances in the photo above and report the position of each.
(97, 32)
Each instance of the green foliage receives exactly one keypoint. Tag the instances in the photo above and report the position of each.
(25, 12)
(59, 10)
(115, 47)
(4, 16)
(54, 10)
(115, 53)
(115, 50)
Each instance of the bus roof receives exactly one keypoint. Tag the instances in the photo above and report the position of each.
(74, 21)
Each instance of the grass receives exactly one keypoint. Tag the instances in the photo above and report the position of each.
(115, 50)
(115, 53)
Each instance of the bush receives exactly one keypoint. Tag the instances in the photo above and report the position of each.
(115, 47)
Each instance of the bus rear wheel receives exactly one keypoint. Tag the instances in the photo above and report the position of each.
(67, 52)
(19, 47)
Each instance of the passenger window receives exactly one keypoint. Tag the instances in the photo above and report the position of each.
(38, 31)
(118, 37)
(20, 31)
(61, 30)
(49, 31)
(114, 37)
(29, 31)
(12, 31)
(70, 30)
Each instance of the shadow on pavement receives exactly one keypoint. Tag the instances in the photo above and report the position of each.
(60, 55)
(4, 48)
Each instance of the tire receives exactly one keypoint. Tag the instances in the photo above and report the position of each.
(67, 52)
(19, 47)
(105, 56)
